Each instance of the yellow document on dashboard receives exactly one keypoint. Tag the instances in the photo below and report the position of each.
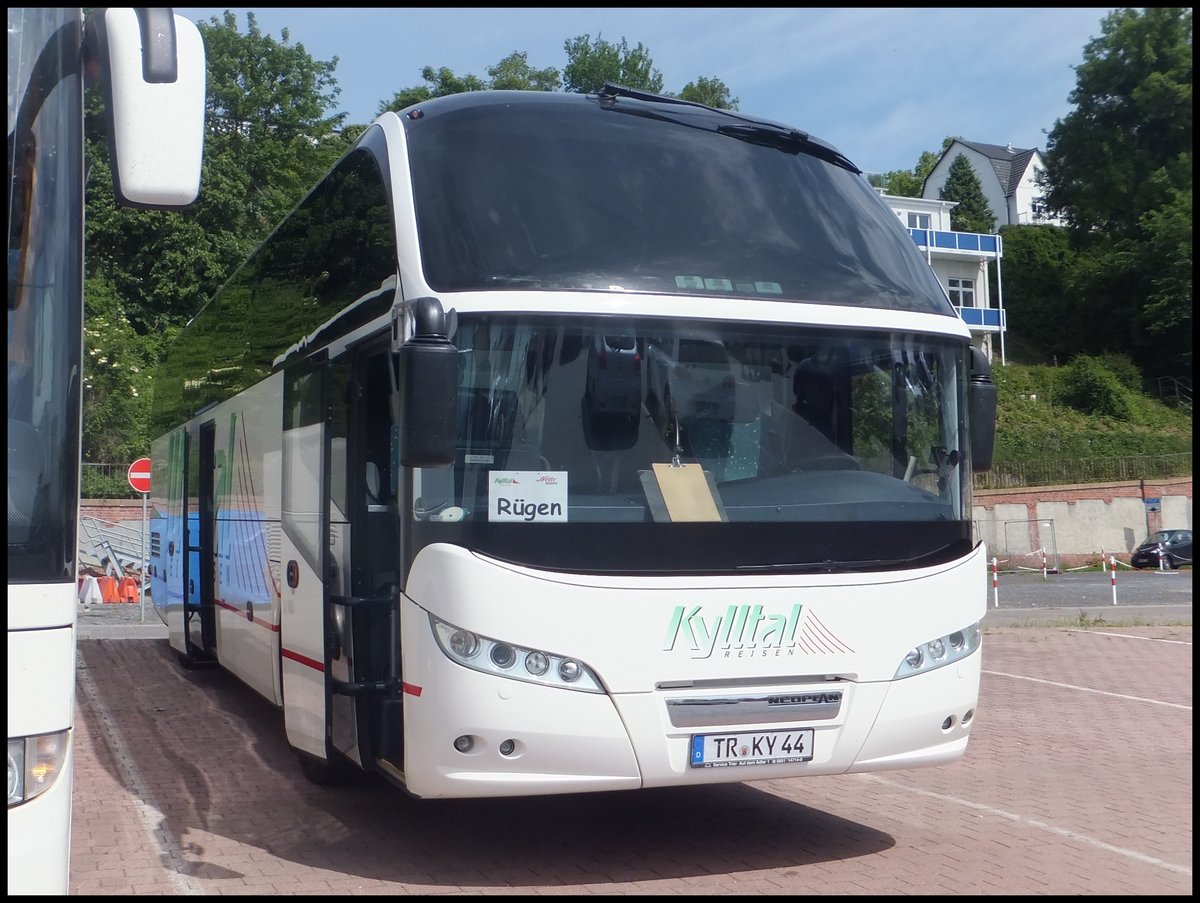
(686, 492)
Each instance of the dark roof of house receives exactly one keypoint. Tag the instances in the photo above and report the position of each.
(1009, 162)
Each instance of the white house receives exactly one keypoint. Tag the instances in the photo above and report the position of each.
(1008, 176)
(960, 262)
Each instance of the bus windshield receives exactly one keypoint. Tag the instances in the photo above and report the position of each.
(797, 447)
(623, 196)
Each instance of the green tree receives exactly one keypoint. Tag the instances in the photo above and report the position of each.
(1119, 168)
(268, 138)
(910, 183)
(593, 63)
(438, 83)
(711, 92)
(1127, 145)
(116, 379)
(1038, 272)
(962, 185)
(513, 73)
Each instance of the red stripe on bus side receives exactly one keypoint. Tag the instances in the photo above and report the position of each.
(241, 613)
(411, 689)
(303, 659)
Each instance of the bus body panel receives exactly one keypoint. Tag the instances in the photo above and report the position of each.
(41, 698)
(247, 546)
(36, 831)
(631, 633)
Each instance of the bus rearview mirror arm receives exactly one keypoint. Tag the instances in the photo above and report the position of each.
(428, 386)
(981, 406)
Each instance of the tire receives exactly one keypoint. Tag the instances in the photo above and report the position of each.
(324, 772)
(187, 661)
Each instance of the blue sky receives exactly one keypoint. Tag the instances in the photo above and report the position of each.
(882, 85)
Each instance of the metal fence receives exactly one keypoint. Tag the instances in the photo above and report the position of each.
(1060, 471)
(106, 481)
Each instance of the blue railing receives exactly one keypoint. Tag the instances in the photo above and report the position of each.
(983, 317)
(956, 241)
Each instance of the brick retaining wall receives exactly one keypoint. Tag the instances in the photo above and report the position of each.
(1079, 523)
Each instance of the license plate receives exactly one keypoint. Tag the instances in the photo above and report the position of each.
(759, 748)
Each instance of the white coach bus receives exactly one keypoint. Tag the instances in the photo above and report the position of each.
(149, 67)
(562, 442)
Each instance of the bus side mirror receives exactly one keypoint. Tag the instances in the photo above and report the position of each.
(151, 67)
(428, 390)
(982, 411)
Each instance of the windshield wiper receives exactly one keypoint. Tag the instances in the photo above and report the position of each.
(753, 131)
(793, 141)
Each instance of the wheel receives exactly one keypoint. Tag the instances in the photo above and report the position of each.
(324, 772)
(187, 661)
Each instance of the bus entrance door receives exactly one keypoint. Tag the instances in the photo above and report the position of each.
(304, 550)
(199, 614)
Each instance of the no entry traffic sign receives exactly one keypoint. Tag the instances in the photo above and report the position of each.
(139, 475)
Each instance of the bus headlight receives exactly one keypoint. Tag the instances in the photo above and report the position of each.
(939, 652)
(504, 659)
(34, 764)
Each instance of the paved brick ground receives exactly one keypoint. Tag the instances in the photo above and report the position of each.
(1078, 780)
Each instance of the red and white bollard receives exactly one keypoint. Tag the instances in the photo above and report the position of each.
(1113, 562)
(1043, 563)
(995, 586)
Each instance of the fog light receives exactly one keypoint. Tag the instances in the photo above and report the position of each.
(463, 744)
(948, 723)
(966, 719)
(507, 747)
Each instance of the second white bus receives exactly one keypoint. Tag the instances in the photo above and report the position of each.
(564, 443)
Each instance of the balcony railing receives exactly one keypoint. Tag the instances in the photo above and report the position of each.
(972, 242)
(986, 318)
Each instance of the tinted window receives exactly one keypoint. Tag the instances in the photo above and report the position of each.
(559, 191)
(335, 251)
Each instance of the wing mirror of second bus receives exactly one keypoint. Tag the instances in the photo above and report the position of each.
(152, 70)
(428, 393)
(982, 410)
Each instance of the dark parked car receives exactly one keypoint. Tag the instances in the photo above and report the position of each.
(1173, 546)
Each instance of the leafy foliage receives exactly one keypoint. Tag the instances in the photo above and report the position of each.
(962, 185)
(593, 63)
(267, 139)
(116, 378)
(1119, 167)
(711, 92)
(910, 183)
(1084, 409)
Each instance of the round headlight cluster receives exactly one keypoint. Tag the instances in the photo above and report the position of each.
(510, 660)
(940, 651)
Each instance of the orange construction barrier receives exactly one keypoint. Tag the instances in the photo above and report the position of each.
(127, 591)
(108, 589)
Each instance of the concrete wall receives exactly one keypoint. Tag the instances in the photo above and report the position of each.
(1077, 524)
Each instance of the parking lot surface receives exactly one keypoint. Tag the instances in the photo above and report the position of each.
(1077, 780)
